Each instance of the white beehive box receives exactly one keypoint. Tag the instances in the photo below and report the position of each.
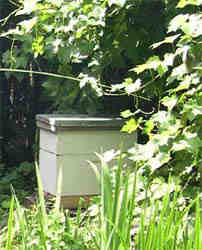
(70, 142)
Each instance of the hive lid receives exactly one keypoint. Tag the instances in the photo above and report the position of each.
(56, 121)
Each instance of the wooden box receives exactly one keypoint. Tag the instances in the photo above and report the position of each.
(69, 142)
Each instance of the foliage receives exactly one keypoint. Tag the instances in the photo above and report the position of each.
(96, 41)
(123, 220)
(116, 208)
(174, 144)
(22, 179)
(136, 211)
(127, 223)
(90, 44)
(36, 228)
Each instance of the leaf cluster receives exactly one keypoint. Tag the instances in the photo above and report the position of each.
(94, 41)
(174, 132)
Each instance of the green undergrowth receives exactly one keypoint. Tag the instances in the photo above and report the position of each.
(129, 214)
(22, 178)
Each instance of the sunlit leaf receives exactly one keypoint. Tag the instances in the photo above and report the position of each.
(170, 102)
(28, 7)
(169, 59)
(28, 24)
(192, 110)
(194, 142)
(182, 85)
(120, 3)
(110, 155)
(149, 125)
(159, 160)
(162, 69)
(161, 116)
(142, 152)
(193, 27)
(57, 3)
(130, 126)
(181, 145)
(177, 22)
(169, 39)
(178, 71)
(160, 190)
(116, 87)
(183, 3)
(153, 63)
(126, 113)
(140, 68)
(133, 87)
(93, 210)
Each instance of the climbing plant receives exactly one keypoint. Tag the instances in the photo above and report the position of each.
(98, 42)
(95, 41)
(174, 133)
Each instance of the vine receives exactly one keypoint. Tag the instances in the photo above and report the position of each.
(174, 144)
(95, 41)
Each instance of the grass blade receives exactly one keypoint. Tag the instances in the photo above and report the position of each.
(22, 221)
(59, 188)
(43, 219)
(10, 225)
(197, 228)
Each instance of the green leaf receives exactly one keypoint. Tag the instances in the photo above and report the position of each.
(153, 63)
(169, 59)
(27, 25)
(149, 125)
(6, 203)
(169, 39)
(159, 160)
(130, 126)
(143, 152)
(182, 85)
(126, 113)
(160, 117)
(119, 3)
(193, 141)
(169, 102)
(192, 110)
(177, 22)
(162, 69)
(132, 87)
(183, 3)
(180, 145)
(10, 224)
(140, 68)
(29, 7)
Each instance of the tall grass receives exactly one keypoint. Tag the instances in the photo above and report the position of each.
(117, 204)
(161, 225)
(38, 228)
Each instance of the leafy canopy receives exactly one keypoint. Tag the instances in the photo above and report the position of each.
(95, 41)
(174, 132)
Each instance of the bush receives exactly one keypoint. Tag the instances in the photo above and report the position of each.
(174, 144)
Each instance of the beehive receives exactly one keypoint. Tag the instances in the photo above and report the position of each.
(70, 142)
